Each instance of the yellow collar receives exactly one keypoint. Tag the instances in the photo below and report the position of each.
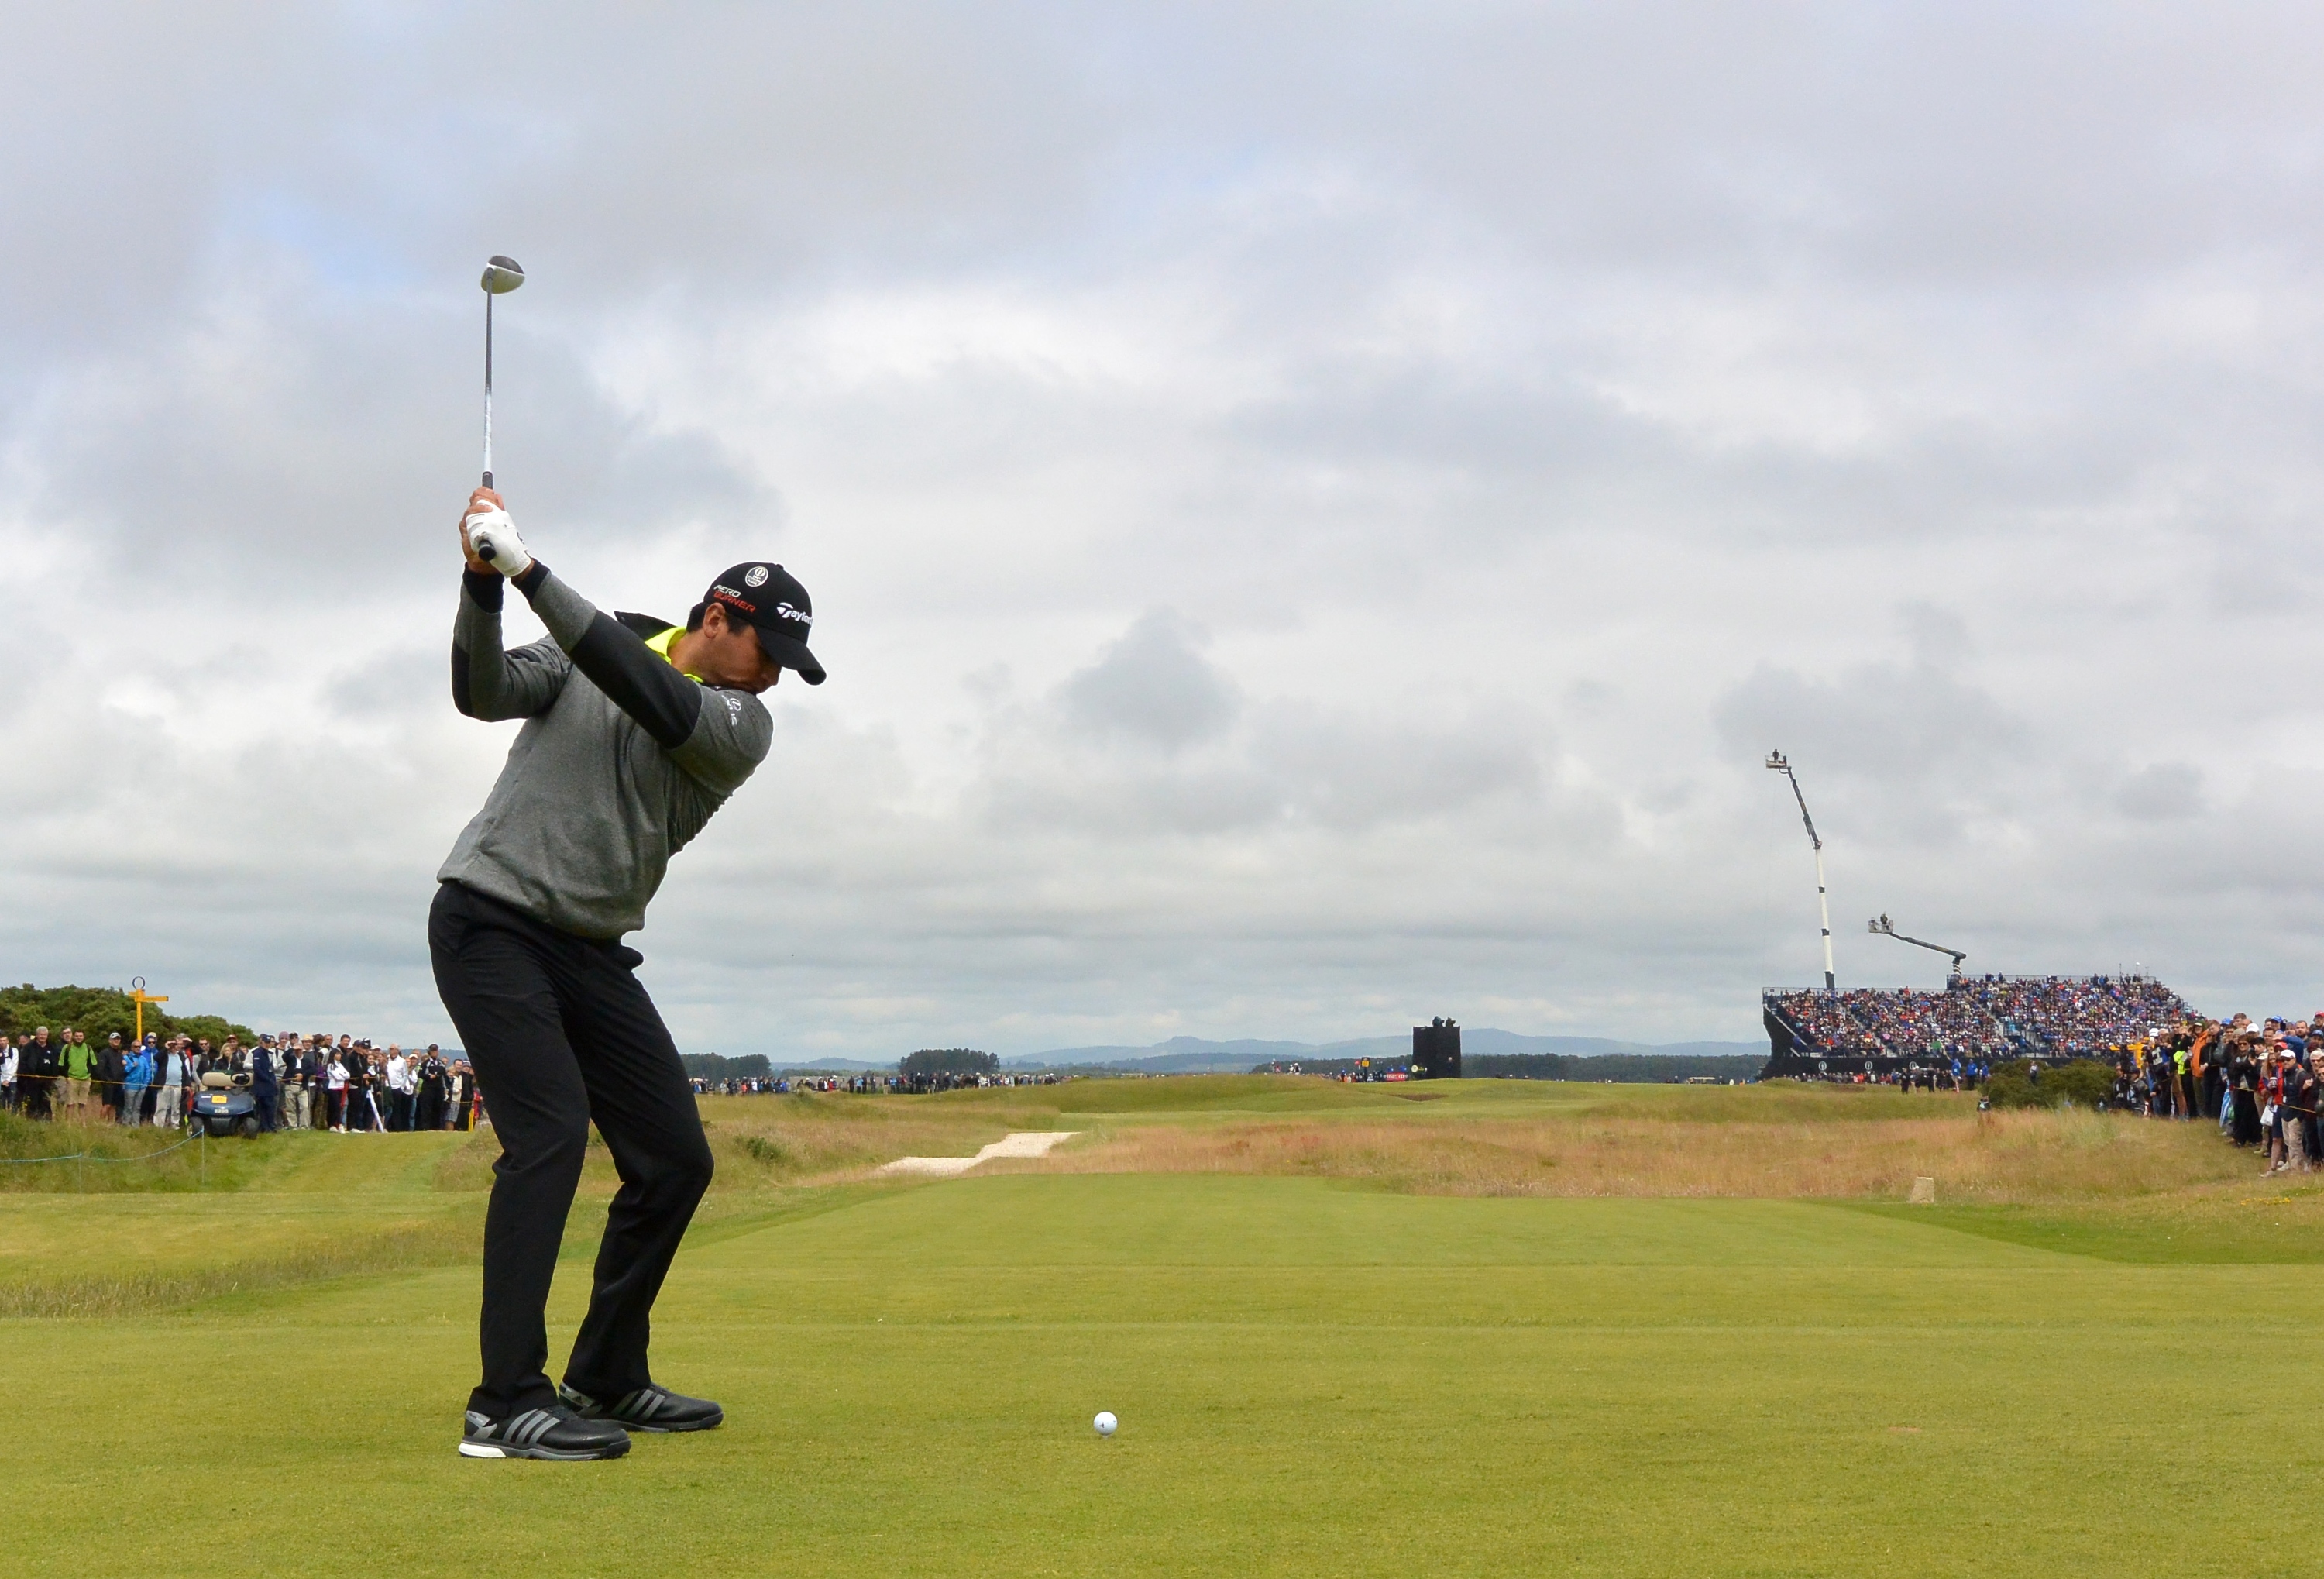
(660, 645)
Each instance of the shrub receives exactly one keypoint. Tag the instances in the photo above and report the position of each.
(101, 1011)
(2078, 1083)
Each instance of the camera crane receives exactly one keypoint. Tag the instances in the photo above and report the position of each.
(1884, 929)
(1779, 763)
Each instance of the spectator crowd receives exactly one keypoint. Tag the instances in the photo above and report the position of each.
(296, 1081)
(2261, 1084)
(1976, 1021)
(881, 1084)
(345, 1085)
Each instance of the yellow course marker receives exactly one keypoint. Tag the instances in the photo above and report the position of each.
(140, 997)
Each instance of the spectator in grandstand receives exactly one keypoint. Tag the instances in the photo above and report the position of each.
(169, 1070)
(2298, 1116)
(136, 1075)
(80, 1069)
(297, 1060)
(335, 1093)
(106, 1075)
(1976, 1021)
(462, 1081)
(429, 1090)
(266, 1084)
(37, 1065)
(2243, 1086)
(2311, 1132)
(395, 1073)
(2271, 1105)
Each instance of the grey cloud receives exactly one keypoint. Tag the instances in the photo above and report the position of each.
(1204, 764)
(230, 461)
(1926, 393)
(2161, 791)
(1153, 686)
(1349, 773)
(397, 684)
(1906, 730)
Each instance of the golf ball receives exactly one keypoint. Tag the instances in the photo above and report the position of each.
(1105, 1422)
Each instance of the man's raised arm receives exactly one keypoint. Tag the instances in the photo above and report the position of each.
(665, 703)
(488, 681)
(718, 746)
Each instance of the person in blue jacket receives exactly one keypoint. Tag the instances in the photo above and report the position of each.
(136, 1075)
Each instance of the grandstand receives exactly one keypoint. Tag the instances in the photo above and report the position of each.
(1975, 1020)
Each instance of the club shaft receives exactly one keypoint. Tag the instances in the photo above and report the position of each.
(488, 389)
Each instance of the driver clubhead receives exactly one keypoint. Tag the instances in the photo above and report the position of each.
(502, 276)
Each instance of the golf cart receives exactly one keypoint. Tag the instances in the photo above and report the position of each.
(222, 1105)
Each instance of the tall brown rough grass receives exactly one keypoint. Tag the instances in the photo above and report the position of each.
(1975, 1157)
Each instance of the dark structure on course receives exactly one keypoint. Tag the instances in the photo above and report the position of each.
(1436, 1050)
(1877, 1030)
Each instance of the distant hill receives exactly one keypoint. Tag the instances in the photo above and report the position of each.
(1181, 1055)
(1184, 1055)
(1192, 1055)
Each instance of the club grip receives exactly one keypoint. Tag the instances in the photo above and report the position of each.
(486, 552)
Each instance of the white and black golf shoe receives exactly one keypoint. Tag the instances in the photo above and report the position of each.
(647, 1408)
(555, 1432)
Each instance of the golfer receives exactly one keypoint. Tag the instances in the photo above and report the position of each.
(635, 732)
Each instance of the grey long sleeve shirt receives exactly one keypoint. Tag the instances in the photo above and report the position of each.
(621, 761)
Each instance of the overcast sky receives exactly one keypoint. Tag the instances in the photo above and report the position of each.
(1315, 514)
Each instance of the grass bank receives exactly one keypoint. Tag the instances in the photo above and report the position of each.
(1312, 1380)
(220, 1217)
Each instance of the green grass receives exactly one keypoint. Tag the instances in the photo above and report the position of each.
(1313, 1378)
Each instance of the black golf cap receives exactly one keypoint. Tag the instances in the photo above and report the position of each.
(778, 607)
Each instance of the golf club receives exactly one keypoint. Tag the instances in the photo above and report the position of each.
(502, 276)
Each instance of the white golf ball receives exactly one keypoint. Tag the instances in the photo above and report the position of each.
(1105, 1422)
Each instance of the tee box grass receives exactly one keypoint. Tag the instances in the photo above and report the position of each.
(1313, 1376)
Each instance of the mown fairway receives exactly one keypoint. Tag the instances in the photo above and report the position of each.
(1314, 1375)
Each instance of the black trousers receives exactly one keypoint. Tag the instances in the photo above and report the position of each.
(561, 1033)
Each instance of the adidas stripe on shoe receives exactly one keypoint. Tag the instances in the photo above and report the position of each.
(555, 1432)
(647, 1408)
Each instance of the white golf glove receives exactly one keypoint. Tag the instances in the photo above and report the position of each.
(492, 535)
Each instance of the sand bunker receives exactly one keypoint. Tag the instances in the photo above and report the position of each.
(1019, 1143)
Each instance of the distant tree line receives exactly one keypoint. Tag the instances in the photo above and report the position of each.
(714, 1066)
(928, 1061)
(1626, 1068)
(931, 1062)
(101, 1011)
